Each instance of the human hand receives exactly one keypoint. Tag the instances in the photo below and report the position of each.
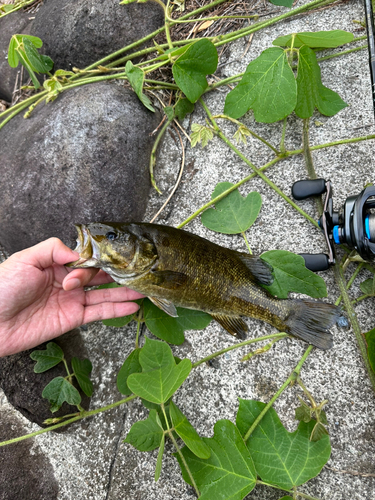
(41, 299)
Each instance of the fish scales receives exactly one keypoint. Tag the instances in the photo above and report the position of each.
(176, 268)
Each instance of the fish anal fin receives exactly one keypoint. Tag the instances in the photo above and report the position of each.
(165, 305)
(232, 324)
(169, 279)
(261, 270)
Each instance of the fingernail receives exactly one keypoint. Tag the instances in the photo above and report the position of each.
(72, 284)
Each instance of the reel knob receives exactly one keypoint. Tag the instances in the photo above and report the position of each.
(316, 262)
(306, 188)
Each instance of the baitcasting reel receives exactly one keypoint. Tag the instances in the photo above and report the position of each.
(353, 224)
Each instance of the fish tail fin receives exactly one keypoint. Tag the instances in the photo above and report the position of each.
(311, 320)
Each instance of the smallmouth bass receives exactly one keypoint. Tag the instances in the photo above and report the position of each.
(173, 267)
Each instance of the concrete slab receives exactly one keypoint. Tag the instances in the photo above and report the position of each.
(89, 460)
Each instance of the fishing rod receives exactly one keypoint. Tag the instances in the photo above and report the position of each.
(354, 223)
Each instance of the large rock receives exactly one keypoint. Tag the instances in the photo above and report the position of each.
(81, 158)
(78, 33)
(11, 24)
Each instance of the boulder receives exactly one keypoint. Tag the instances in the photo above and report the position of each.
(83, 157)
(78, 33)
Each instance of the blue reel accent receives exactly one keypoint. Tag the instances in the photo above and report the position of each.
(336, 235)
(367, 227)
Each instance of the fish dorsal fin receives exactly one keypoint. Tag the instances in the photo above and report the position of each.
(232, 324)
(169, 279)
(261, 270)
(165, 305)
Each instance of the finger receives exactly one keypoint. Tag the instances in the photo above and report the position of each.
(108, 310)
(46, 253)
(121, 294)
(100, 279)
(79, 278)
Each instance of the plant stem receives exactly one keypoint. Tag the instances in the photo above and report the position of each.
(247, 243)
(70, 421)
(236, 346)
(309, 160)
(354, 321)
(333, 143)
(282, 142)
(350, 282)
(153, 153)
(256, 170)
(293, 376)
(170, 434)
(303, 495)
(338, 54)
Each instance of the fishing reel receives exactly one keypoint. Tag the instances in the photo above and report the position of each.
(353, 225)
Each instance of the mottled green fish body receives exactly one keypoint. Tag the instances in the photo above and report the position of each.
(177, 268)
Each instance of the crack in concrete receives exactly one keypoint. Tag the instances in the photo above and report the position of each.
(111, 466)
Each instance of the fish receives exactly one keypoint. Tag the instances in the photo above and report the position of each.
(176, 268)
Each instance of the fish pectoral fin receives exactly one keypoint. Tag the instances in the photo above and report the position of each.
(165, 306)
(260, 269)
(232, 324)
(169, 279)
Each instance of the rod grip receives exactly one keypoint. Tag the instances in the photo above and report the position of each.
(316, 261)
(306, 188)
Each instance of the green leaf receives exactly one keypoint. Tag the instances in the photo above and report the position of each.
(161, 376)
(370, 339)
(146, 435)
(82, 369)
(12, 53)
(285, 459)
(63, 72)
(183, 107)
(24, 61)
(268, 87)
(283, 3)
(169, 111)
(291, 275)
(187, 432)
(37, 42)
(159, 459)
(34, 57)
(323, 417)
(318, 432)
(191, 68)
(48, 63)
(136, 78)
(201, 133)
(303, 413)
(171, 329)
(233, 214)
(311, 92)
(48, 358)
(319, 39)
(229, 473)
(131, 365)
(60, 390)
(287, 497)
(368, 286)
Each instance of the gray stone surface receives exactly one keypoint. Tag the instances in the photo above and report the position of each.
(89, 460)
(76, 34)
(82, 157)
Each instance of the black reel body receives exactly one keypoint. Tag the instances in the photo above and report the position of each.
(353, 224)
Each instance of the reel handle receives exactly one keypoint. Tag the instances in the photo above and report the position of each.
(306, 188)
(316, 262)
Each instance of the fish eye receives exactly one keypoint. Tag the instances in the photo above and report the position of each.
(111, 235)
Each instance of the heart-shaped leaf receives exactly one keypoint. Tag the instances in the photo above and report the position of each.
(161, 376)
(60, 390)
(136, 78)
(233, 214)
(191, 68)
(370, 339)
(268, 87)
(146, 435)
(229, 473)
(48, 358)
(283, 458)
(291, 275)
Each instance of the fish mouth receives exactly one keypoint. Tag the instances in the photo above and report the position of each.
(87, 248)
